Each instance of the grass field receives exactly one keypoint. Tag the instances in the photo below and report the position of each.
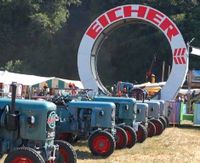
(175, 145)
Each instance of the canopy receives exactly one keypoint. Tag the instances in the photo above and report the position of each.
(148, 84)
(59, 83)
(195, 51)
(29, 80)
(36, 81)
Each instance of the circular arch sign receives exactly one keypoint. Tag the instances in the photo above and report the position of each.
(116, 17)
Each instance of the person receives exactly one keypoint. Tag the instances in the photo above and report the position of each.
(45, 89)
(193, 93)
(73, 88)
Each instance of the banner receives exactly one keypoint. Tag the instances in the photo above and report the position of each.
(195, 51)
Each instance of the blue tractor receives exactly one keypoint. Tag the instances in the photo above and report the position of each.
(126, 113)
(87, 120)
(154, 115)
(142, 117)
(156, 109)
(27, 132)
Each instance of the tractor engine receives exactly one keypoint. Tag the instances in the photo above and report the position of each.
(142, 112)
(125, 108)
(85, 116)
(81, 118)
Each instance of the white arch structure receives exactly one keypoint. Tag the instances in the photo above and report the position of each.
(113, 18)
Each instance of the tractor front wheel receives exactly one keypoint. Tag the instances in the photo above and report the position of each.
(167, 120)
(141, 133)
(131, 134)
(25, 155)
(101, 143)
(121, 138)
(163, 120)
(159, 126)
(151, 129)
(66, 152)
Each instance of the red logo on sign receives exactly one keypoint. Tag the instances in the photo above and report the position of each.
(178, 56)
(142, 12)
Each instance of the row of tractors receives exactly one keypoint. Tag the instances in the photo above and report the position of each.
(40, 131)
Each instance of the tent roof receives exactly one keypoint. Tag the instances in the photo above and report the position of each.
(76, 82)
(9, 77)
(30, 80)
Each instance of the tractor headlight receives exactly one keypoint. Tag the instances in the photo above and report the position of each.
(101, 113)
(126, 107)
(138, 111)
(31, 120)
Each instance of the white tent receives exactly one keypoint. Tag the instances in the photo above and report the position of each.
(28, 80)
(195, 51)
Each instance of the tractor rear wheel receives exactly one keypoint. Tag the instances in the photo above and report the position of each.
(159, 126)
(121, 138)
(101, 143)
(131, 134)
(141, 133)
(25, 155)
(66, 152)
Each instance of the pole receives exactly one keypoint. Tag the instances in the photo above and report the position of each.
(14, 88)
(163, 71)
(189, 82)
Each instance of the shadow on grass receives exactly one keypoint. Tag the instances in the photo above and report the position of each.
(80, 143)
(186, 126)
(84, 155)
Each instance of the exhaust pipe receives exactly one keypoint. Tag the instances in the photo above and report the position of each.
(14, 88)
(12, 118)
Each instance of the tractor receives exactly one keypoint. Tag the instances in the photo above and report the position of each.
(156, 108)
(126, 113)
(27, 132)
(142, 117)
(87, 120)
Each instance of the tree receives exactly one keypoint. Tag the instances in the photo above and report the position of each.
(13, 66)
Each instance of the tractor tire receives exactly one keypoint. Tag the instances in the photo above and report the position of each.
(159, 126)
(101, 143)
(24, 154)
(121, 138)
(163, 120)
(167, 120)
(131, 134)
(141, 133)
(151, 129)
(66, 152)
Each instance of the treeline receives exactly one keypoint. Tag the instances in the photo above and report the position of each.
(42, 37)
